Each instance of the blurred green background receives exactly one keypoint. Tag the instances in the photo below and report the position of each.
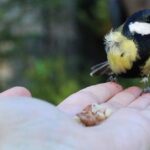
(48, 46)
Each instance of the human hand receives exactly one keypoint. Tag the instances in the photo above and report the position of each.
(16, 91)
(28, 123)
(128, 128)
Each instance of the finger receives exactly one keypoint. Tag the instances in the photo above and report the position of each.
(125, 97)
(146, 111)
(142, 102)
(97, 93)
(16, 91)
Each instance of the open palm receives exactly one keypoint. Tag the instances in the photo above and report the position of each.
(28, 123)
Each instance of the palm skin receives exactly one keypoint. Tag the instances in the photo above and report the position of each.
(28, 123)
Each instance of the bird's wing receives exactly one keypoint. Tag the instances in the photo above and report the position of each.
(101, 69)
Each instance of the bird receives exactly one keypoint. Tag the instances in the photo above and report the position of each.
(128, 49)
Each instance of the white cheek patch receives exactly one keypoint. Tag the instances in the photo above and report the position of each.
(140, 28)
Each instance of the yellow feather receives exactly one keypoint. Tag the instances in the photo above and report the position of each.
(122, 52)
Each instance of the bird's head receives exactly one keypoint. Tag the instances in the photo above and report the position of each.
(124, 45)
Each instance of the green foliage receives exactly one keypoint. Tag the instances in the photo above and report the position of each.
(47, 76)
(48, 79)
(100, 10)
(99, 20)
(101, 13)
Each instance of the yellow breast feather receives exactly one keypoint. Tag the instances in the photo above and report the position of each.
(122, 52)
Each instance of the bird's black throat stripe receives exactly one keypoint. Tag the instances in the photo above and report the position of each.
(136, 69)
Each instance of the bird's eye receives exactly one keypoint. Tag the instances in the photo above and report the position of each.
(122, 54)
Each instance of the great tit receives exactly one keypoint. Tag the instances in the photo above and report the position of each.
(128, 48)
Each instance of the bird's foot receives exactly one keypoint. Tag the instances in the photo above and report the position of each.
(145, 81)
(112, 79)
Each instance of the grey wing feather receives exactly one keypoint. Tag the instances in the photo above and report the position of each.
(102, 68)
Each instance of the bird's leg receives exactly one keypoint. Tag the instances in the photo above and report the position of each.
(112, 78)
(145, 81)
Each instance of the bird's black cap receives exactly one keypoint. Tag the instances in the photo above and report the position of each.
(142, 40)
(140, 16)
